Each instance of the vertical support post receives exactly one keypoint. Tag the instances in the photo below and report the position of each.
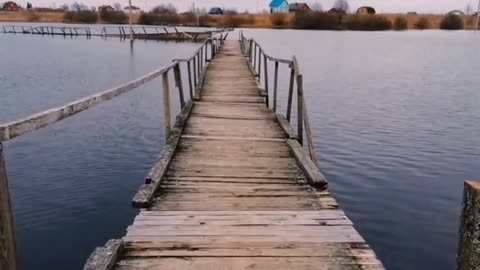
(8, 255)
(300, 108)
(206, 52)
(468, 257)
(131, 20)
(255, 57)
(290, 94)
(178, 81)
(190, 86)
(166, 105)
(478, 16)
(259, 63)
(195, 71)
(266, 79)
(275, 87)
(308, 133)
(250, 53)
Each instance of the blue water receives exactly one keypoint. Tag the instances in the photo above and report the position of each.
(395, 120)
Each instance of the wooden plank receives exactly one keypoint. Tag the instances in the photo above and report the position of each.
(166, 106)
(145, 194)
(285, 125)
(469, 239)
(315, 177)
(104, 258)
(8, 253)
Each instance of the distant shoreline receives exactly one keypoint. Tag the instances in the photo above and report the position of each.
(245, 20)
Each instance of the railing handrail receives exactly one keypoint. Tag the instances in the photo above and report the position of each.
(33, 122)
(303, 123)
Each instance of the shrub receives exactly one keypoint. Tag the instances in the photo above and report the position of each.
(114, 17)
(33, 17)
(278, 19)
(451, 22)
(369, 23)
(81, 16)
(400, 24)
(422, 23)
(232, 21)
(158, 19)
(315, 20)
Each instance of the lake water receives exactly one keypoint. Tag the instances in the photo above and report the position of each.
(395, 116)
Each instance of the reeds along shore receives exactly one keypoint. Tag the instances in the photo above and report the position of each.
(315, 20)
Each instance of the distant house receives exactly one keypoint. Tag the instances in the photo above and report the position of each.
(11, 6)
(299, 7)
(412, 13)
(215, 11)
(336, 11)
(134, 9)
(105, 9)
(456, 12)
(366, 10)
(279, 6)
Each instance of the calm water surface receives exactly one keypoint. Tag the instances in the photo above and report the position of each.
(395, 115)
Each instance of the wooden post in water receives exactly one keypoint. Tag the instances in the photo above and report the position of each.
(190, 85)
(300, 108)
(290, 94)
(468, 257)
(275, 87)
(8, 257)
(131, 20)
(266, 78)
(178, 81)
(166, 105)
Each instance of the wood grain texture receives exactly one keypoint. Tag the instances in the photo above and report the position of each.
(104, 258)
(234, 190)
(8, 253)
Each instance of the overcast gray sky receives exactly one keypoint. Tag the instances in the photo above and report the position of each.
(424, 6)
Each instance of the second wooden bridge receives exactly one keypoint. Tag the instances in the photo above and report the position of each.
(233, 188)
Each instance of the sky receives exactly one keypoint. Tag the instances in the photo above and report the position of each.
(382, 6)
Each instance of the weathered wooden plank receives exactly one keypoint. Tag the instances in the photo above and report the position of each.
(314, 176)
(285, 125)
(469, 240)
(104, 258)
(8, 253)
(145, 194)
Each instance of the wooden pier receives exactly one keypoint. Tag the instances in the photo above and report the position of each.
(233, 190)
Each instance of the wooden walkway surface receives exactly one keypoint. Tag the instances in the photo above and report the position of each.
(234, 196)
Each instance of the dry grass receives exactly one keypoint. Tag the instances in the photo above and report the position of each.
(241, 20)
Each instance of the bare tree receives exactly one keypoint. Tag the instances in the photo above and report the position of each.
(117, 7)
(165, 9)
(341, 6)
(75, 7)
(468, 9)
(316, 7)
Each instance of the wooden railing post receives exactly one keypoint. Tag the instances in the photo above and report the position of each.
(275, 87)
(255, 57)
(166, 105)
(178, 82)
(190, 85)
(266, 78)
(259, 63)
(308, 133)
(195, 71)
(290, 94)
(8, 257)
(468, 257)
(206, 52)
(250, 53)
(300, 108)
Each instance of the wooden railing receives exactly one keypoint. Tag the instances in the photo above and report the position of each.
(255, 53)
(196, 66)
